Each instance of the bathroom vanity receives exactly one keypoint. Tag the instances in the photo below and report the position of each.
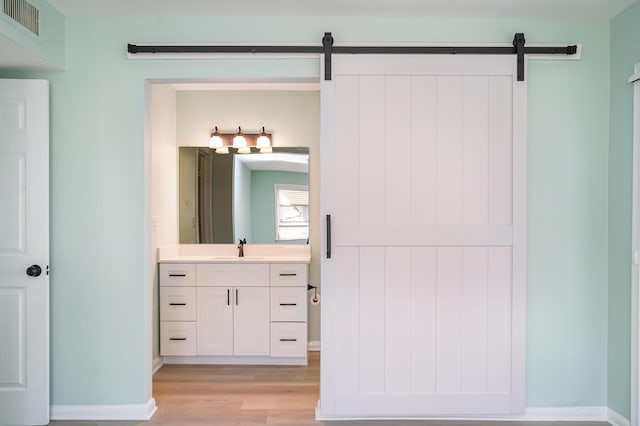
(219, 308)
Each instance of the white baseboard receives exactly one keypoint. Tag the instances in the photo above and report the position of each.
(235, 360)
(313, 346)
(617, 419)
(156, 364)
(532, 414)
(104, 412)
(566, 414)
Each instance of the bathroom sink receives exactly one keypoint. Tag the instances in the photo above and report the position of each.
(234, 258)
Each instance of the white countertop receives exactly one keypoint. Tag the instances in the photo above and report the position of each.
(228, 253)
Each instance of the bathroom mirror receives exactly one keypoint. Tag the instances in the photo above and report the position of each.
(226, 197)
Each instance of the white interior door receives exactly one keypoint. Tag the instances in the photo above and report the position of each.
(24, 246)
(424, 176)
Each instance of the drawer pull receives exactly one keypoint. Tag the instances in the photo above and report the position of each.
(288, 304)
(236, 297)
(177, 275)
(288, 275)
(177, 338)
(288, 340)
(228, 297)
(177, 304)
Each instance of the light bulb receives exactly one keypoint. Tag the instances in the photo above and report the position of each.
(244, 150)
(239, 141)
(222, 150)
(266, 150)
(263, 140)
(215, 141)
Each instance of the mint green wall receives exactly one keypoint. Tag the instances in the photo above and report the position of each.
(263, 202)
(567, 288)
(625, 53)
(101, 308)
(49, 44)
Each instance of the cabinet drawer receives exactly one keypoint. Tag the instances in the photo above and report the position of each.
(177, 274)
(288, 274)
(288, 304)
(177, 338)
(233, 275)
(289, 339)
(177, 304)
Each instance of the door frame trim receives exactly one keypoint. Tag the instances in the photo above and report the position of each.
(635, 247)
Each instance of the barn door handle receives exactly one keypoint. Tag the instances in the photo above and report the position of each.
(34, 271)
(328, 236)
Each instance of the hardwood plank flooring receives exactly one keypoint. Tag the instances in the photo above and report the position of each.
(194, 395)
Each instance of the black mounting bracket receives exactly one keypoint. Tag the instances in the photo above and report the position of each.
(328, 50)
(518, 44)
(327, 46)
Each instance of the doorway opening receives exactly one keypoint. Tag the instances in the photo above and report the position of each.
(182, 113)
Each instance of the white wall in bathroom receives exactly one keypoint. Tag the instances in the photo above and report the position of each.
(164, 192)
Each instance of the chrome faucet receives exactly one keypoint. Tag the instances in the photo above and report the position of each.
(241, 247)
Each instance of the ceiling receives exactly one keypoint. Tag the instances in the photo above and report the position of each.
(576, 9)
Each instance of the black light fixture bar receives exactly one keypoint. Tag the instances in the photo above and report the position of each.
(328, 49)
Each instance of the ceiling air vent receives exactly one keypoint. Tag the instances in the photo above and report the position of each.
(23, 13)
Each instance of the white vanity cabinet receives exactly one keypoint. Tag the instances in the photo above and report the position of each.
(237, 312)
(233, 309)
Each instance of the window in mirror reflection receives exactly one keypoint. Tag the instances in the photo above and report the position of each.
(292, 214)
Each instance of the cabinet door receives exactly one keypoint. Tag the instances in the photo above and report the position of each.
(251, 321)
(215, 321)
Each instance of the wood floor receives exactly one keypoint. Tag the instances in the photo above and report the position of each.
(251, 395)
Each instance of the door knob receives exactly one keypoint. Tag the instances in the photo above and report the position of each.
(34, 271)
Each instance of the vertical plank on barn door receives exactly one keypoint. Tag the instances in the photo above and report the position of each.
(475, 150)
(372, 320)
(423, 158)
(346, 189)
(450, 154)
(423, 319)
(396, 204)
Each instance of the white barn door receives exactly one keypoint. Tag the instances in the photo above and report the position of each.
(424, 176)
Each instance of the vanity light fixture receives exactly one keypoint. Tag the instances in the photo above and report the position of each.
(240, 141)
